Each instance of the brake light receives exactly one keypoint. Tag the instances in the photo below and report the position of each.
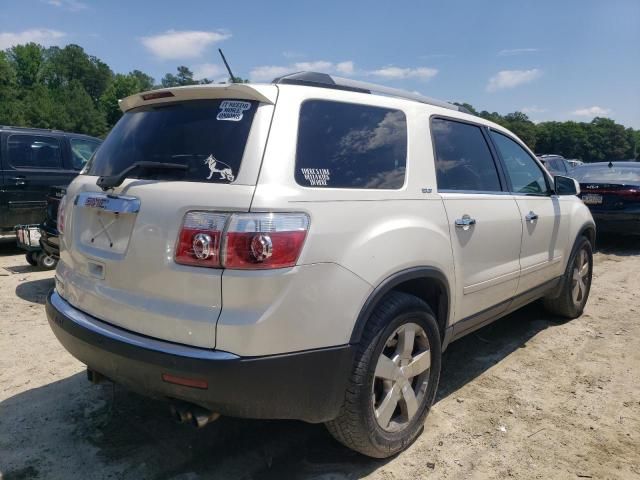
(241, 241)
(264, 240)
(200, 238)
(60, 216)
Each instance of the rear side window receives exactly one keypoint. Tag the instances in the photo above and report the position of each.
(208, 136)
(526, 176)
(345, 145)
(463, 158)
(81, 151)
(34, 151)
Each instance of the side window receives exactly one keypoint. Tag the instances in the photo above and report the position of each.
(463, 158)
(34, 151)
(345, 145)
(525, 174)
(81, 151)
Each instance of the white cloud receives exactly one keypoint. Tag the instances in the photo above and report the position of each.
(594, 111)
(71, 5)
(533, 109)
(317, 66)
(208, 70)
(43, 36)
(345, 68)
(397, 73)
(269, 72)
(508, 52)
(174, 45)
(512, 78)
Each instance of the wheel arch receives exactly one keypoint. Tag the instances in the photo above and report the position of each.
(588, 230)
(427, 283)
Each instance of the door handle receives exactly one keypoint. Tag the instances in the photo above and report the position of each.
(531, 217)
(465, 222)
(20, 181)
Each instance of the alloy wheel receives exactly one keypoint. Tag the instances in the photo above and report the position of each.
(580, 277)
(401, 377)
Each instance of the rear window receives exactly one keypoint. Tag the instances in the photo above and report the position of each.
(606, 174)
(345, 145)
(208, 136)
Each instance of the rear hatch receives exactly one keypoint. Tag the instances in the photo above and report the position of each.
(118, 261)
(609, 196)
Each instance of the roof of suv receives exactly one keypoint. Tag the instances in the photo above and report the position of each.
(44, 130)
(260, 91)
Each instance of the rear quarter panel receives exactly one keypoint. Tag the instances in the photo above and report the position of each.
(371, 233)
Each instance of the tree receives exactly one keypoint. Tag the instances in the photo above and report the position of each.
(184, 77)
(120, 87)
(27, 62)
(10, 108)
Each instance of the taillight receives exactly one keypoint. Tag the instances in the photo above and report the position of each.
(264, 240)
(60, 216)
(200, 238)
(241, 241)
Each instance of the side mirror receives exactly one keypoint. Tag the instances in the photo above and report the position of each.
(566, 185)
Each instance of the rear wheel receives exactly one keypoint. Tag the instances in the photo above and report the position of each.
(394, 379)
(576, 283)
(46, 262)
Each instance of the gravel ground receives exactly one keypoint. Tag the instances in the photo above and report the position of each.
(525, 397)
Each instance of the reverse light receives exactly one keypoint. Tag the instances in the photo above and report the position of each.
(244, 241)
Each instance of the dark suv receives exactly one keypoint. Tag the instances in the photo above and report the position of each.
(33, 160)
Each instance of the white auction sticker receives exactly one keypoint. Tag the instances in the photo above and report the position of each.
(232, 110)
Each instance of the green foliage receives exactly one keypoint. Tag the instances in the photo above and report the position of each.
(67, 89)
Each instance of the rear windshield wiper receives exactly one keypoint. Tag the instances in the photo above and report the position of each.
(110, 181)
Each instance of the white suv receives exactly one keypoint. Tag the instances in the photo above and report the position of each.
(306, 250)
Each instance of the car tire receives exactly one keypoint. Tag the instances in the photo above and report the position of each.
(32, 259)
(576, 283)
(47, 262)
(385, 405)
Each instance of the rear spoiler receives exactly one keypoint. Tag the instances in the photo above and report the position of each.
(240, 91)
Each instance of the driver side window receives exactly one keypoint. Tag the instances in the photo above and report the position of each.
(527, 178)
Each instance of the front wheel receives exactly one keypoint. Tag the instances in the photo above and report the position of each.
(576, 283)
(394, 379)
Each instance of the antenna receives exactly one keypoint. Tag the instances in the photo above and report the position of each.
(233, 79)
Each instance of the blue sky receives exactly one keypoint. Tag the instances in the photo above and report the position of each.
(554, 60)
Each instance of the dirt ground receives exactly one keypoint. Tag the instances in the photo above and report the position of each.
(525, 398)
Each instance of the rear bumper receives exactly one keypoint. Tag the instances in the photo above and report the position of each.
(305, 386)
(617, 222)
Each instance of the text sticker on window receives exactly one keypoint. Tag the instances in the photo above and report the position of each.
(232, 110)
(316, 176)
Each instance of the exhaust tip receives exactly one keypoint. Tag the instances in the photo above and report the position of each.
(193, 414)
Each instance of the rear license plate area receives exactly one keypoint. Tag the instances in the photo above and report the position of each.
(592, 199)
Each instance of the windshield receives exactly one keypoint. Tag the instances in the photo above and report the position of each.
(208, 136)
(604, 174)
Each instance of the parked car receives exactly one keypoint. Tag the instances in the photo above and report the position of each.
(555, 164)
(31, 161)
(310, 261)
(574, 162)
(611, 190)
(49, 240)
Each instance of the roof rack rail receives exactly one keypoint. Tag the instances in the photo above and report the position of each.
(12, 127)
(324, 80)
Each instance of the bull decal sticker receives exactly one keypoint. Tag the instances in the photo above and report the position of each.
(225, 172)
